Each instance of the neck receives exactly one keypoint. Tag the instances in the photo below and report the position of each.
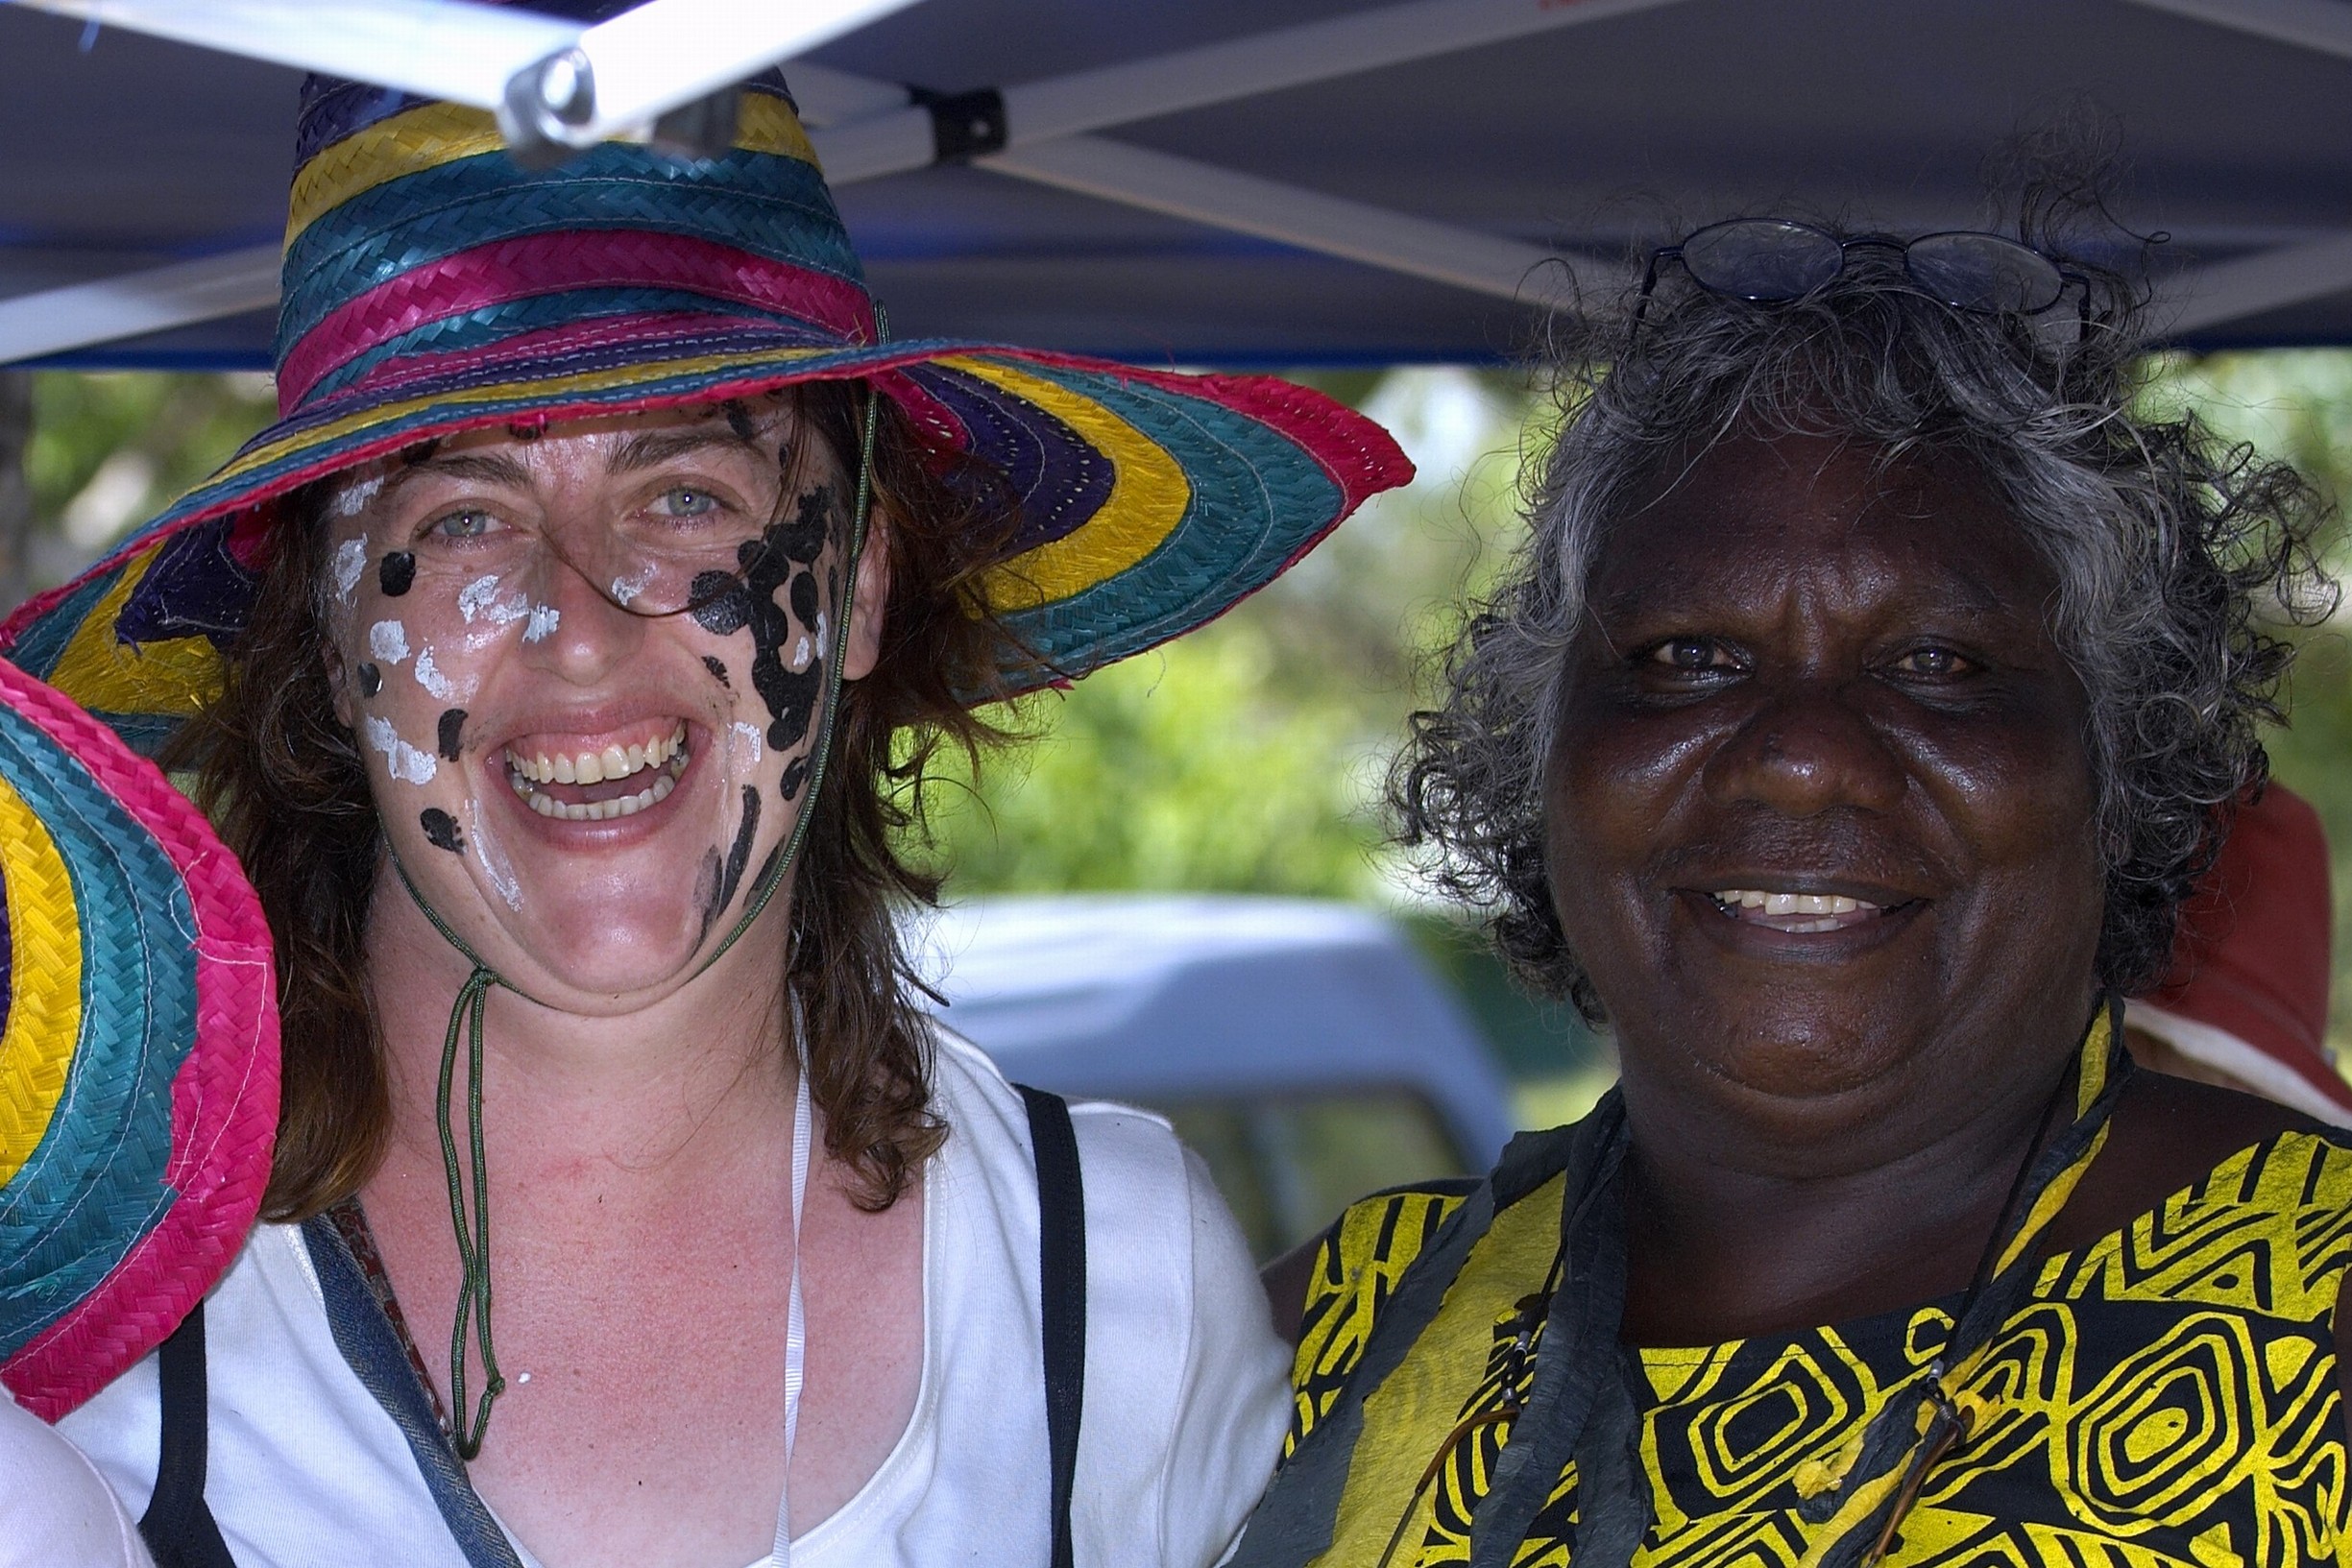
(652, 1096)
(1748, 1219)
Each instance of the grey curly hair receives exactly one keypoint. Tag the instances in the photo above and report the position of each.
(2177, 554)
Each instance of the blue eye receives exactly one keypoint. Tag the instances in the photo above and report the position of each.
(686, 503)
(464, 525)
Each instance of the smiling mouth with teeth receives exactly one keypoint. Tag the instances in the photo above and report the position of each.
(1797, 913)
(597, 785)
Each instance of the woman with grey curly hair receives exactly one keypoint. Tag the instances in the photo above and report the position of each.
(1877, 678)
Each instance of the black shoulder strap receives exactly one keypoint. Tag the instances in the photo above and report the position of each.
(1062, 1266)
(177, 1526)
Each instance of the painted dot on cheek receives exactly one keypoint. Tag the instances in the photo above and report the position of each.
(452, 732)
(441, 830)
(795, 775)
(370, 680)
(395, 572)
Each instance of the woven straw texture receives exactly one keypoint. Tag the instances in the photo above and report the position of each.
(139, 1061)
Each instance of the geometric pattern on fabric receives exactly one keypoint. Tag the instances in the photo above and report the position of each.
(2167, 1397)
(138, 1063)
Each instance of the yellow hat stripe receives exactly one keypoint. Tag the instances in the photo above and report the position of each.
(432, 134)
(1148, 498)
(108, 675)
(44, 1019)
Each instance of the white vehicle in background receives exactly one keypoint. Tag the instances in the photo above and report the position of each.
(1305, 1049)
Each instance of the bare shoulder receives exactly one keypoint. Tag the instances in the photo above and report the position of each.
(2168, 1134)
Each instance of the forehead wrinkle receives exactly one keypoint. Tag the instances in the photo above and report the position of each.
(652, 448)
(482, 468)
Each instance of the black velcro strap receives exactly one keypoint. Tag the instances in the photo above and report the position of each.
(963, 125)
(177, 1526)
(1061, 1268)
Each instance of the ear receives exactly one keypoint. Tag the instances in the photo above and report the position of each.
(869, 600)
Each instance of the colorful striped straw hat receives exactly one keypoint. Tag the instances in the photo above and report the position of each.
(139, 1052)
(432, 285)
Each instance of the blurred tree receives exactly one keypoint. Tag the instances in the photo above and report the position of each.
(109, 451)
(15, 495)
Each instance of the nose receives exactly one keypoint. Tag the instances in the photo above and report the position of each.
(1806, 750)
(575, 629)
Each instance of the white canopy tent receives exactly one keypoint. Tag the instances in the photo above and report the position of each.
(1283, 182)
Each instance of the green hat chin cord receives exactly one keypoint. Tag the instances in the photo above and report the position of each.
(471, 1330)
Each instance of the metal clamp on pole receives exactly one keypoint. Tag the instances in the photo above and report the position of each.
(546, 106)
(963, 125)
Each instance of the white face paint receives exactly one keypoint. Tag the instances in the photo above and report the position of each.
(388, 642)
(405, 763)
(496, 869)
(625, 589)
(354, 500)
(430, 677)
(475, 597)
(800, 654)
(743, 747)
(351, 563)
(545, 618)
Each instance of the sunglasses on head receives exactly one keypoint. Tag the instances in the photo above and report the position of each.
(1771, 260)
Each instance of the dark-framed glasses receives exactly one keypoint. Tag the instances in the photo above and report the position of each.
(1768, 261)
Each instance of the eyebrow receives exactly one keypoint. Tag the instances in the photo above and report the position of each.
(652, 448)
(483, 468)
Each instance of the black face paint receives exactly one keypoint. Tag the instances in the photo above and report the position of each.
(441, 830)
(706, 892)
(525, 432)
(739, 420)
(719, 670)
(370, 680)
(739, 856)
(421, 452)
(796, 774)
(395, 572)
(767, 865)
(452, 732)
(726, 603)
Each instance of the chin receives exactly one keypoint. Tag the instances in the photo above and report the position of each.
(592, 954)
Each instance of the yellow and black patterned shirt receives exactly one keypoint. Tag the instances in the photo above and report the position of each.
(2166, 1398)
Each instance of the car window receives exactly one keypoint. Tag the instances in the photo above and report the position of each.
(1288, 1163)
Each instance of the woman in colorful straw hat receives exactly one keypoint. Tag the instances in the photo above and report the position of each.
(558, 665)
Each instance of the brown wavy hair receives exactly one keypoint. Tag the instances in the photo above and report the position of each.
(283, 779)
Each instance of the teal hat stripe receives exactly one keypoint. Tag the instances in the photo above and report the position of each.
(493, 324)
(94, 1184)
(37, 652)
(762, 203)
(1258, 500)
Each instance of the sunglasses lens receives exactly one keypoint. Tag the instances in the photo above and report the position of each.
(1762, 259)
(1984, 273)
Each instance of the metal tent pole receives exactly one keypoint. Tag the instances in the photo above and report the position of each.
(1217, 73)
(547, 78)
(2229, 291)
(2321, 26)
